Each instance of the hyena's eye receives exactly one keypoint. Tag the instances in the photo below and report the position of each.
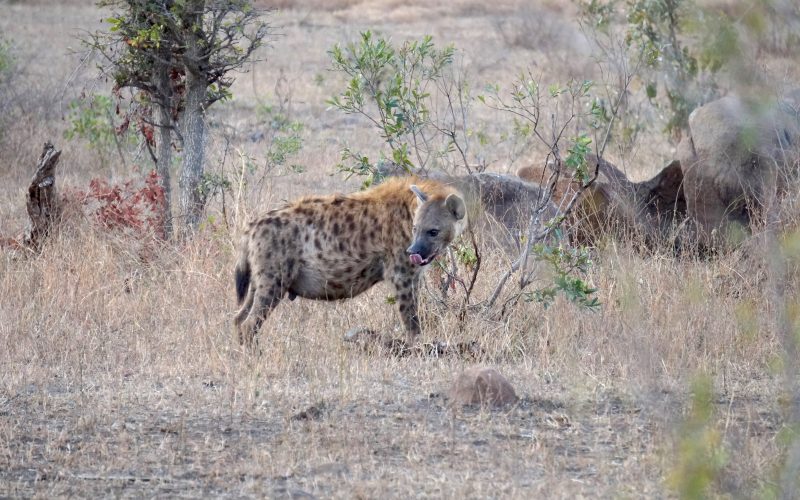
(433, 233)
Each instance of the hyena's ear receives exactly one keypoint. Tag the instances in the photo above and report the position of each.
(422, 197)
(455, 204)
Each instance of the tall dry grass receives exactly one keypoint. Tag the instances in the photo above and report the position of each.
(121, 368)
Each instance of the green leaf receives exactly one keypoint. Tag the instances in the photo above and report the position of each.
(651, 90)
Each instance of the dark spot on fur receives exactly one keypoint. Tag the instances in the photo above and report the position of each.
(317, 244)
(335, 228)
(341, 246)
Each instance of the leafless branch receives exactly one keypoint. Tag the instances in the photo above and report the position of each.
(534, 236)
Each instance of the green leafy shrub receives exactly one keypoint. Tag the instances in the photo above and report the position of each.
(6, 59)
(7, 66)
(393, 88)
(285, 136)
(92, 120)
(570, 265)
(98, 121)
(675, 46)
(700, 453)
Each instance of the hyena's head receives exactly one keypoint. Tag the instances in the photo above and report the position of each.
(437, 222)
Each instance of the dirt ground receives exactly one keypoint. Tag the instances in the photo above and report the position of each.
(190, 437)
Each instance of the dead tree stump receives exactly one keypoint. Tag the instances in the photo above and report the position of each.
(43, 206)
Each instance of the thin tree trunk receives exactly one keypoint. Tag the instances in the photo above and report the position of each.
(164, 147)
(192, 200)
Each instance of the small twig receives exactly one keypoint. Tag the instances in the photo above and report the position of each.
(451, 275)
(476, 268)
(240, 189)
(150, 150)
(222, 189)
(116, 140)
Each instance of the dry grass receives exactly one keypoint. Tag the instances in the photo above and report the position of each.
(119, 376)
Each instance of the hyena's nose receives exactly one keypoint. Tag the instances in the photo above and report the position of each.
(416, 248)
(414, 255)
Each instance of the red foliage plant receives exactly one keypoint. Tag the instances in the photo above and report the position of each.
(128, 207)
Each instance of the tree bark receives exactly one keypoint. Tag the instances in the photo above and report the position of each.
(164, 146)
(42, 204)
(192, 199)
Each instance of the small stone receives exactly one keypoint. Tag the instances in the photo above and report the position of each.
(313, 412)
(482, 386)
(359, 334)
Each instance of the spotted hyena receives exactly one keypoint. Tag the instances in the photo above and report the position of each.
(336, 247)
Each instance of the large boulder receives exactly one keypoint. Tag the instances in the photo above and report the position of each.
(651, 209)
(737, 156)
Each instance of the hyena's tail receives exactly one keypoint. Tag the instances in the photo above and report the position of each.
(242, 275)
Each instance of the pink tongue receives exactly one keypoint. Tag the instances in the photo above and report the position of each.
(416, 259)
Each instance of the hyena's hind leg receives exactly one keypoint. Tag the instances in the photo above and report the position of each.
(243, 312)
(269, 284)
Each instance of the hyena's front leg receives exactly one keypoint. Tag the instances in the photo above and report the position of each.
(405, 280)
